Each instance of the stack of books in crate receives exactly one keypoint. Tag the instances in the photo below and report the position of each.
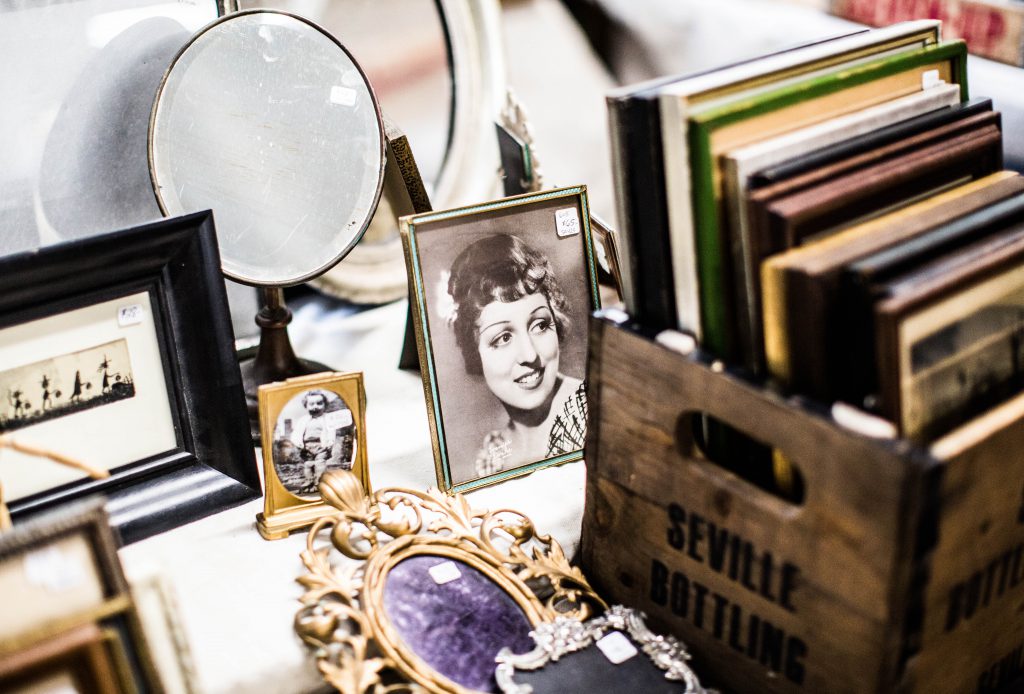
(826, 495)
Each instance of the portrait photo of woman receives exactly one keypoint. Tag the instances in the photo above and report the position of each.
(506, 294)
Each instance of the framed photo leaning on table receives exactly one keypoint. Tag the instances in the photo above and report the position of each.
(501, 297)
(310, 425)
(116, 351)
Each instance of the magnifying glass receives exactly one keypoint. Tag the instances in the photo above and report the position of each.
(266, 119)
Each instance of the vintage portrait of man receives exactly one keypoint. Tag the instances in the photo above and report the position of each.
(315, 432)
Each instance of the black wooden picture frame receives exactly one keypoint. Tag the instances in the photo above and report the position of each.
(177, 262)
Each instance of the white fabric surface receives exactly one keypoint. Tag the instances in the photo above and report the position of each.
(237, 593)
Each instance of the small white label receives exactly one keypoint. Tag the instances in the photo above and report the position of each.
(567, 222)
(339, 419)
(130, 315)
(930, 78)
(445, 572)
(344, 96)
(53, 570)
(616, 647)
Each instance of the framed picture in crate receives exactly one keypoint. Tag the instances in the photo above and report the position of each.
(117, 354)
(501, 296)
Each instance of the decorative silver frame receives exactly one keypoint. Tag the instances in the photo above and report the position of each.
(565, 635)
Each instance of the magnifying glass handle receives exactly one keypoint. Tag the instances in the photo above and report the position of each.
(275, 359)
(275, 354)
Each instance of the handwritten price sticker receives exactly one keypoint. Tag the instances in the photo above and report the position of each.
(336, 420)
(130, 315)
(567, 222)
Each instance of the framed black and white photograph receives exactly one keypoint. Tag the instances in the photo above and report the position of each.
(314, 433)
(501, 296)
(116, 352)
(310, 425)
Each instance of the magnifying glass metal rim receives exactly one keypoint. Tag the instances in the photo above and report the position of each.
(380, 132)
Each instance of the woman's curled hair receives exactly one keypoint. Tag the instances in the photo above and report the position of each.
(502, 268)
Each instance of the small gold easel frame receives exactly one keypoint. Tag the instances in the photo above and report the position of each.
(287, 505)
(360, 637)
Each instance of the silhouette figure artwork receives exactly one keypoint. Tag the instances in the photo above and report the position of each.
(57, 375)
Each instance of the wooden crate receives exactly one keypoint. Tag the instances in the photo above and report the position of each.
(901, 570)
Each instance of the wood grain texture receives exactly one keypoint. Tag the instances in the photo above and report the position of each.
(833, 595)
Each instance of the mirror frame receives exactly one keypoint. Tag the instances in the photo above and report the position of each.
(477, 60)
(469, 171)
(562, 637)
(343, 615)
(364, 223)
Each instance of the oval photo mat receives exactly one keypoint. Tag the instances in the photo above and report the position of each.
(299, 458)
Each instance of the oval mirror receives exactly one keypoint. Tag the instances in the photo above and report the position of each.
(437, 69)
(267, 119)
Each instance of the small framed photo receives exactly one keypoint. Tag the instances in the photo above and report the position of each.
(73, 622)
(117, 351)
(309, 425)
(501, 298)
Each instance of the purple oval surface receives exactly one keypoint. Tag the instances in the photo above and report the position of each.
(457, 626)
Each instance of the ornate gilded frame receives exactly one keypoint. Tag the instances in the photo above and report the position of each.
(343, 617)
(284, 511)
(564, 636)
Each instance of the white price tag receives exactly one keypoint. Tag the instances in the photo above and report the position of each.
(338, 419)
(445, 572)
(130, 315)
(567, 222)
(344, 96)
(930, 78)
(53, 570)
(616, 647)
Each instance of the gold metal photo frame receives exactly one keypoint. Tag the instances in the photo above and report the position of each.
(501, 294)
(436, 586)
(309, 425)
